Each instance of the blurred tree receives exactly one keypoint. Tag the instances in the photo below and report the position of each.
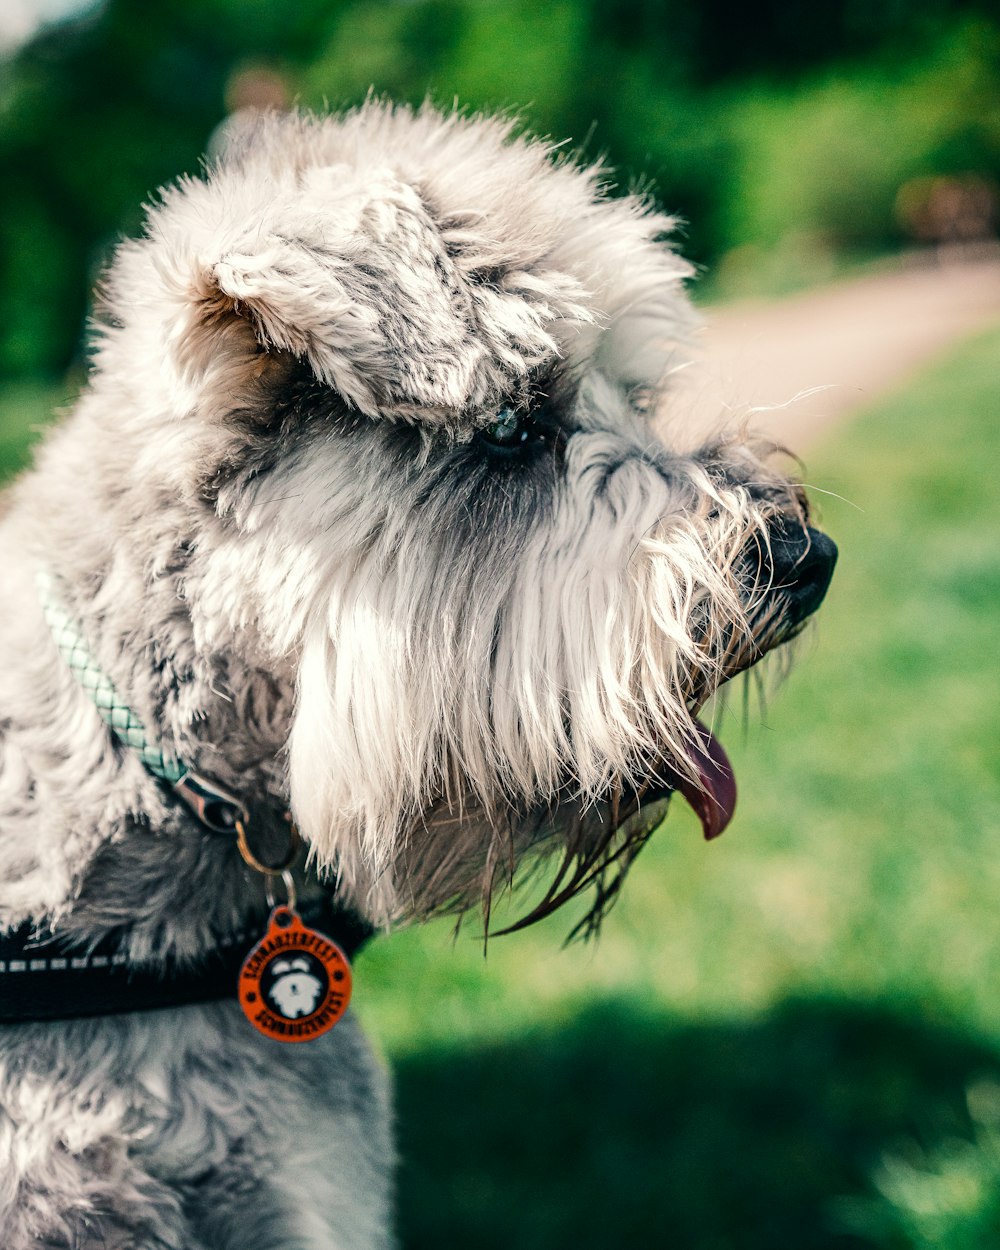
(720, 40)
(94, 115)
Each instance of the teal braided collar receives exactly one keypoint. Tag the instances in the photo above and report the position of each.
(116, 713)
(214, 806)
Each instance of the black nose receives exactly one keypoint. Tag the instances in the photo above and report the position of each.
(800, 567)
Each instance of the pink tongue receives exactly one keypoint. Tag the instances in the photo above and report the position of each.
(713, 796)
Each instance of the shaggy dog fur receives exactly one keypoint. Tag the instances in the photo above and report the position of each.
(363, 511)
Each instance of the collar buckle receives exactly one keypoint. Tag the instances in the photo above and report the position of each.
(216, 808)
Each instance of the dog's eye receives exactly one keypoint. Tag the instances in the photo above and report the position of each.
(510, 430)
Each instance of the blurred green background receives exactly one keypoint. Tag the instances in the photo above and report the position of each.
(790, 1038)
(782, 134)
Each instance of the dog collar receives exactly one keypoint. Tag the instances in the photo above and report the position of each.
(214, 807)
(294, 984)
(44, 977)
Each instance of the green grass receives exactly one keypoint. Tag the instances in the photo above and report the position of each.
(768, 1020)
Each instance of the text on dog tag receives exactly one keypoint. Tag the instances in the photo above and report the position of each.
(296, 982)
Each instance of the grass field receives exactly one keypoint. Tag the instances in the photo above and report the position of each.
(788, 1039)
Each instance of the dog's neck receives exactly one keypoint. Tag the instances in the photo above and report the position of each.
(88, 838)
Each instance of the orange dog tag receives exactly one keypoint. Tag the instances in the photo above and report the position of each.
(296, 983)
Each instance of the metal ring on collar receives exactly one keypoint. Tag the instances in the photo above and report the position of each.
(269, 870)
(288, 882)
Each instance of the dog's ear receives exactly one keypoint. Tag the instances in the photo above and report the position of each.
(294, 281)
(349, 270)
(351, 274)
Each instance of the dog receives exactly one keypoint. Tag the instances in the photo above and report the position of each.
(362, 529)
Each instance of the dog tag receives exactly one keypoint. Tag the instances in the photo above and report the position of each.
(296, 983)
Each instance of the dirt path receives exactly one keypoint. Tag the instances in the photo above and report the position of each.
(853, 340)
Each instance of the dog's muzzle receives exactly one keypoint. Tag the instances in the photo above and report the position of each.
(790, 579)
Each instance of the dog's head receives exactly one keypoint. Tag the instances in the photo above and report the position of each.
(403, 368)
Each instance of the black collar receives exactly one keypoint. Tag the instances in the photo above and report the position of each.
(47, 978)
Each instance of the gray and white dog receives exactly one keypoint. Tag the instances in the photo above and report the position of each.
(363, 514)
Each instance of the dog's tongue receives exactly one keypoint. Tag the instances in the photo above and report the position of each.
(713, 795)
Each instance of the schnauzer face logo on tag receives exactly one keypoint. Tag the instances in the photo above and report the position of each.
(296, 982)
(296, 986)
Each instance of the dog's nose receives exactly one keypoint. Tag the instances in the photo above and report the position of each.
(800, 567)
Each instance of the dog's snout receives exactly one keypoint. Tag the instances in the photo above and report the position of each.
(799, 567)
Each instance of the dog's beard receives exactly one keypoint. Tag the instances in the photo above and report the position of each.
(453, 719)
